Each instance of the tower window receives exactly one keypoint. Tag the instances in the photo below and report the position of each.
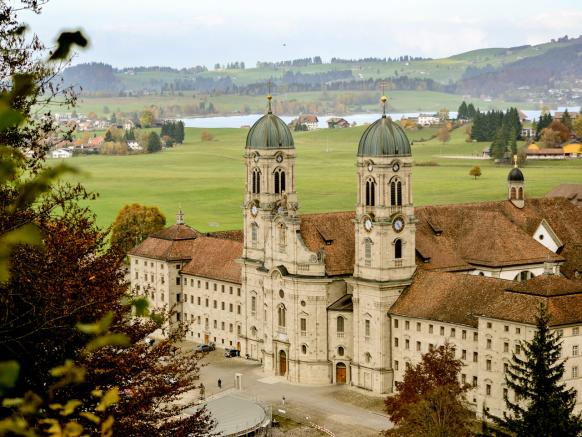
(368, 252)
(398, 249)
(370, 192)
(254, 233)
(256, 181)
(520, 193)
(279, 181)
(513, 193)
(396, 193)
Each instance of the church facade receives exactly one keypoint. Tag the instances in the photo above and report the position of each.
(356, 297)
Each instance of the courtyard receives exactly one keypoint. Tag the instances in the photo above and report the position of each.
(340, 409)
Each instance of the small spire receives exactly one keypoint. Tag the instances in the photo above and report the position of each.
(269, 98)
(383, 99)
(515, 161)
(180, 217)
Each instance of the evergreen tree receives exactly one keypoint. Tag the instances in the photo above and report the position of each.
(113, 118)
(471, 111)
(462, 112)
(513, 141)
(546, 406)
(566, 119)
(499, 146)
(544, 122)
(154, 143)
(108, 136)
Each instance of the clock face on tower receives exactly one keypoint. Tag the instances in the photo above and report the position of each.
(256, 158)
(396, 167)
(370, 167)
(279, 158)
(368, 224)
(254, 210)
(398, 224)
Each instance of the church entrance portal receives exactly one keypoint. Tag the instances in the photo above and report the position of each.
(282, 363)
(340, 373)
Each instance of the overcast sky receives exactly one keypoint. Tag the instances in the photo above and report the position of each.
(182, 33)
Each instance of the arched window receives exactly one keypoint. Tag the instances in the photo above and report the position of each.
(368, 251)
(398, 249)
(340, 351)
(303, 349)
(279, 175)
(520, 193)
(253, 304)
(281, 315)
(368, 357)
(513, 193)
(370, 192)
(396, 193)
(254, 233)
(256, 182)
(340, 324)
(282, 234)
(524, 275)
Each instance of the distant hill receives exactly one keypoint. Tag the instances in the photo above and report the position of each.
(516, 73)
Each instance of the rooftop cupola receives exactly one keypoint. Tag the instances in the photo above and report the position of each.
(384, 138)
(269, 132)
(515, 185)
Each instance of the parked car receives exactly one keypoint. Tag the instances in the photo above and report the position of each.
(205, 347)
(228, 353)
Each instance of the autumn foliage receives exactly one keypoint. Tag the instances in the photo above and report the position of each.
(133, 224)
(430, 383)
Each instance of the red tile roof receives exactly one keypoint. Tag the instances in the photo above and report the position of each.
(462, 298)
(170, 244)
(215, 258)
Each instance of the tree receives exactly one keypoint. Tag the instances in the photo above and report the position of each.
(154, 142)
(443, 115)
(437, 369)
(566, 119)
(546, 406)
(206, 136)
(463, 112)
(475, 172)
(108, 136)
(146, 118)
(133, 224)
(57, 276)
(561, 129)
(443, 135)
(440, 413)
(550, 138)
(577, 126)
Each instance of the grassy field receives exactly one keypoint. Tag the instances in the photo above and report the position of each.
(400, 101)
(207, 178)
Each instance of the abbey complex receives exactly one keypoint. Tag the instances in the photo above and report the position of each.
(355, 297)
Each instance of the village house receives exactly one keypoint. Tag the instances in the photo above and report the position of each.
(336, 122)
(310, 122)
(61, 154)
(428, 119)
(355, 297)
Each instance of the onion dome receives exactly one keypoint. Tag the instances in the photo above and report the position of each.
(270, 132)
(515, 175)
(384, 138)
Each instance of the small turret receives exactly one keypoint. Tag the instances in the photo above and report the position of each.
(515, 185)
(180, 217)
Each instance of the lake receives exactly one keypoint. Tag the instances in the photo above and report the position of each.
(236, 121)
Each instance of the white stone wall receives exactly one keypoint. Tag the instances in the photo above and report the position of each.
(214, 310)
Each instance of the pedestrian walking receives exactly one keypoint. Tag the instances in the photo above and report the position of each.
(219, 383)
(283, 400)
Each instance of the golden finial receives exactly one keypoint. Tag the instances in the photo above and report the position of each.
(515, 161)
(383, 99)
(269, 97)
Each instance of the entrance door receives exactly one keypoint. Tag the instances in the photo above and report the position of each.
(238, 346)
(282, 363)
(340, 373)
(206, 338)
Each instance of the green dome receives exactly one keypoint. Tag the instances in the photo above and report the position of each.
(384, 138)
(270, 132)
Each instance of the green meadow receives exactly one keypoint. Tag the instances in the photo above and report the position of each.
(206, 179)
